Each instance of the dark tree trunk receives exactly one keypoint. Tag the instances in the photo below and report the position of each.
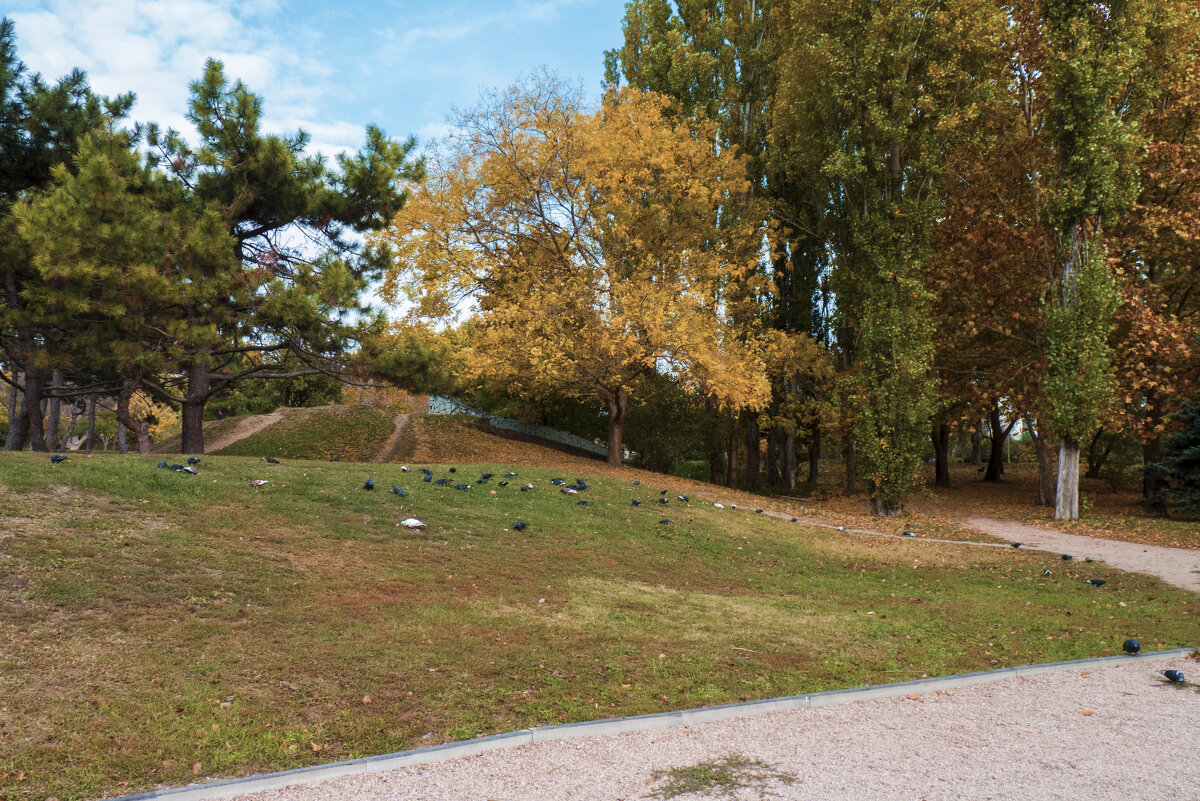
(140, 428)
(789, 460)
(814, 454)
(753, 454)
(54, 417)
(773, 460)
(1046, 470)
(881, 508)
(618, 405)
(714, 443)
(197, 397)
(33, 411)
(76, 410)
(122, 440)
(731, 462)
(995, 467)
(91, 430)
(18, 428)
(1152, 482)
(977, 444)
(851, 466)
(1097, 455)
(941, 454)
(14, 401)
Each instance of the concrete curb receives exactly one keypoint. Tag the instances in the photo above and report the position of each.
(597, 728)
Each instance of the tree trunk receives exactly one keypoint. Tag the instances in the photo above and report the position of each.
(814, 454)
(76, 410)
(1066, 496)
(941, 454)
(995, 466)
(1152, 482)
(789, 460)
(140, 428)
(714, 443)
(753, 453)
(14, 402)
(618, 405)
(54, 418)
(1097, 455)
(851, 465)
(91, 430)
(880, 508)
(773, 450)
(18, 428)
(122, 440)
(197, 397)
(731, 462)
(977, 444)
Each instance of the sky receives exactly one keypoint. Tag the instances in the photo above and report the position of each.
(329, 68)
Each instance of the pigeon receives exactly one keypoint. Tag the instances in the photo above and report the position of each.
(664, 522)
(190, 469)
(1131, 647)
(502, 484)
(486, 476)
(481, 480)
(258, 482)
(403, 468)
(510, 474)
(909, 533)
(193, 460)
(558, 482)
(178, 468)
(758, 511)
(794, 520)
(334, 459)
(1066, 557)
(569, 491)
(462, 486)
(1175, 676)
(398, 492)
(526, 487)
(733, 506)
(636, 502)
(428, 478)
(412, 522)
(841, 528)
(1047, 572)
(1089, 559)
(663, 500)
(427, 471)
(442, 482)
(1096, 582)
(683, 498)
(453, 469)
(162, 464)
(369, 484)
(1017, 544)
(270, 460)
(57, 458)
(520, 525)
(583, 503)
(637, 483)
(719, 505)
(664, 492)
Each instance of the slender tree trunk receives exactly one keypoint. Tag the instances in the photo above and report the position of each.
(54, 418)
(995, 466)
(76, 410)
(851, 465)
(714, 443)
(197, 397)
(731, 463)
(941, 454)
(789, 460)
(1066, 497)
(91, 430)
(753, 455)
(977, 444)
(618, 405)
(880, 508)
(773, 449)
(1152, 483)
(33, 411)
(814, 454)
(140, 428)
(1098, 455)
(14, 402)
(122, 440)
(1046, 477)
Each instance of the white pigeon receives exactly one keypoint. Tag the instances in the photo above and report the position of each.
(403, 468)
(412, 522)
(719, 505)
(258, 482)
(569, 491)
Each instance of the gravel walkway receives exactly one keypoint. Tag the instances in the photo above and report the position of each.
(1178, 566)
(1112, 732)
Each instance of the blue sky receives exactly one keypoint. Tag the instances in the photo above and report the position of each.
(327, 67)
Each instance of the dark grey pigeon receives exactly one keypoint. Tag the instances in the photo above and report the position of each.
(502, 484)
(520, 525)
(1017, 544)
(558, 482)
(57, 458)
(910, 533)
(486, 476)
(462, 486)
(662, 500)
(758, 511)
(1096, 582)
(1066, 557)
(1089, 559)
(453, 469)
(398, 492)
(1175, 676)
(583, 503)
(1131, 647)
(428, 477)
(1046, 572)
(636, 502)
(664, 522)
(664, 492)
(162, 464)
(334, 459)
(193, 460)
(683, 498)
(270, 460)
(369, 484)
(510, 474)
(442, 482)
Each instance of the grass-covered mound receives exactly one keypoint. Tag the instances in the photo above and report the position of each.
(350, 433)
(160, 628)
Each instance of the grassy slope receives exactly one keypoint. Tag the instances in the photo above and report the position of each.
(161, 628)
(351, 433)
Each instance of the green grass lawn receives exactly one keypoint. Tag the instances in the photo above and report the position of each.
(160, 628)
(351, 433)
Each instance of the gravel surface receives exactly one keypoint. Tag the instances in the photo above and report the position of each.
(1178, 566)
(1117, 731)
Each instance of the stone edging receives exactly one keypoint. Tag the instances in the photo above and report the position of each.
(595, 728)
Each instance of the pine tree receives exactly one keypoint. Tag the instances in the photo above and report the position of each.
(1179, 468)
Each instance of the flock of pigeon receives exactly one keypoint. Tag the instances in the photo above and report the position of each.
(1130, 646)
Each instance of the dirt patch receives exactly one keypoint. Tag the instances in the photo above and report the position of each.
(246, 426)
(400, 421)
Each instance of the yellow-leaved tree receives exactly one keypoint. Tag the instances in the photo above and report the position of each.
(597, 248)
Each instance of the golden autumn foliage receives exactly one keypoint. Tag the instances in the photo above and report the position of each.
(596, 248)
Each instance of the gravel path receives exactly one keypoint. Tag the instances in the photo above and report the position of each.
(1178, 566)
(1111, 732)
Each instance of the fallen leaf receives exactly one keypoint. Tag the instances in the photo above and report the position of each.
(196, 767)
(366, 699)
(316, 747)
(912, 696)
(1086, 712)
